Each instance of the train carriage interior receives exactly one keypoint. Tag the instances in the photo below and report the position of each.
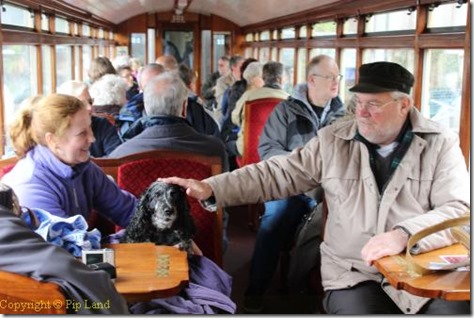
(46, 43)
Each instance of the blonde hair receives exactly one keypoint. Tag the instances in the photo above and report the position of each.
(41, 115)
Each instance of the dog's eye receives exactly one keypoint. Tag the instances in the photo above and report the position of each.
(174, 193)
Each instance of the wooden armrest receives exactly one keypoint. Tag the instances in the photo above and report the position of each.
(24, 295)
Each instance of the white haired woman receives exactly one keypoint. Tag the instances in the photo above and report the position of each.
(108, 96)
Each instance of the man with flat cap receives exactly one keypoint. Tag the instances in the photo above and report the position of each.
(386, 174)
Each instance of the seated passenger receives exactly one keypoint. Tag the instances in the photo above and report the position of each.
(165, 127)
(169, 62)
(105, 134)
(386, 174)
(196, 114)
(272, 74)
(132, 85)
(209, 87)
(225, 82)
(52, 139)
(133, 110)
(108, 96)
(100, 66)
(26, 253)
(292, 124)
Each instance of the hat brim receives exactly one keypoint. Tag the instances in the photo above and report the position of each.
(370, 88)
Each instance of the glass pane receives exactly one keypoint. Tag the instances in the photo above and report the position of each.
(101, 50)
(264, 55)
(101, 33)
(44, 22)
(63, 64)
(324, 29)
(255, 53)
(62, 26)
(248, 53)
(404, 57)
(19, 80)
(19, 16)
(350, 26)
(180, 44)
(348, 70)
(265, 36)
(288, 33)
(447, 15)
(138, 45)
(442, 82)
(391, 21)
(47, 75)
(325, 51)
(151, 35)
(303, 32)
(274, 56)
(86, 61)
(77, 71)
(86, 30)
(275, 35)
(221, 47)
(249, 37)
(287, 58)
(301, 66)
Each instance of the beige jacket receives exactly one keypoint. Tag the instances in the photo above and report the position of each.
(238, 114)
(431, 184)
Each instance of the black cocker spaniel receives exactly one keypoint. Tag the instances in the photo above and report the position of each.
(162, 217)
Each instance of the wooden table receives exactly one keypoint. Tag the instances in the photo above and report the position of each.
(449, 285)
(146, 271)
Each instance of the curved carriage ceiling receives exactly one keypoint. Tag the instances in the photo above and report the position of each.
(241, 12)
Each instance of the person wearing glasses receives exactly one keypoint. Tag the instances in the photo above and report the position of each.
(292, 124)
(386, 174)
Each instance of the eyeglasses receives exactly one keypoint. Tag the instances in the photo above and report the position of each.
(373, 106)
(336, 78)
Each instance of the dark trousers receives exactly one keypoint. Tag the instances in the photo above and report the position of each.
(369, 298)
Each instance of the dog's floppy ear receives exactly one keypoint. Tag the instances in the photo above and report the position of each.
(140, 222)
(185, 218)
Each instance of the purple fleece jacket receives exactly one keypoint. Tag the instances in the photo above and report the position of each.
(41, 180)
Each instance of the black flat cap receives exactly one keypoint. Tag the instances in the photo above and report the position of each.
(382, 77)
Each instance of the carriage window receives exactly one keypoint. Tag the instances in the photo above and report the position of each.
(264, 54)
(275, 35)
(442, 82)
(248, 52)
(274, 52)
(101, 33)
(287, 58)
(63, 64)
(325, 51)
(47, 74)
(348, 70)
(86, 61)
(303, 32)
(255, 53)
(265, 36)
(180, 44)
(350, 26)
(44, 22)
(138, 45)
(404, 57)
(327, 28)
(77, 71)
(288, 33)
(391, 21)
(19, 16)
(62, 26)
(249, 37)
(19, 79)
(101, 50)
(86, 30)
(447, 15)
(301, 66)
(221, 47)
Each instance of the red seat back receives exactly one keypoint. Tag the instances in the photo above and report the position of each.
(137, 175)
(256, 114)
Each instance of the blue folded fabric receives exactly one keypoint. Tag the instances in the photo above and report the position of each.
(70, 233)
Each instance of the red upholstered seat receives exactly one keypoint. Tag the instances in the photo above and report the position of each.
(137, 175)
(256, 114)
